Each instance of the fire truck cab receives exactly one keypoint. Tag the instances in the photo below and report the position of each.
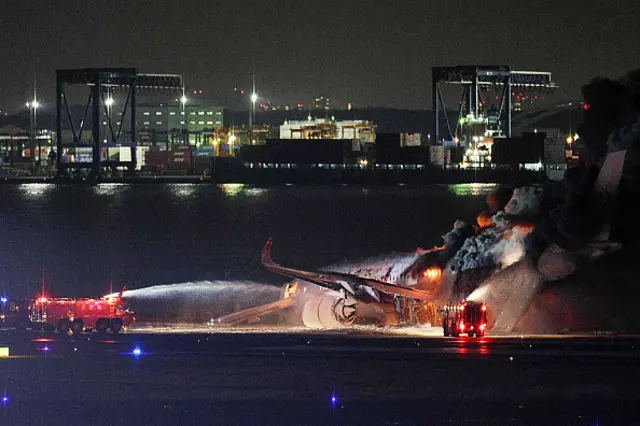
(467, 317)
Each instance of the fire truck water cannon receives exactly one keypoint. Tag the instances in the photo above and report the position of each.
(108, 313)
(468, 318)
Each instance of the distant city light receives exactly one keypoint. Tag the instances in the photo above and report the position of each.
(254, 97)
(183, 99)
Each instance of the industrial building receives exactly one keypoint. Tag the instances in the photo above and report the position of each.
(321, 128)
(165, 124)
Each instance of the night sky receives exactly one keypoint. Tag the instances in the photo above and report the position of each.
(372, 53)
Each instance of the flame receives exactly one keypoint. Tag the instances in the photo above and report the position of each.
(290, 289)
(433, 272)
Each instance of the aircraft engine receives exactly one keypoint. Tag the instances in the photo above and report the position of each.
(328, 311)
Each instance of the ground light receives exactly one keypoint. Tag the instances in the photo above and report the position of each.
(137, 351)
(4, 352)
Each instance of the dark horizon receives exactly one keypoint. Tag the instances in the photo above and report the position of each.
(370, 55)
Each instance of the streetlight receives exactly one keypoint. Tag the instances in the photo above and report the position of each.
(183, 116)
(254, 99)
(32, 106)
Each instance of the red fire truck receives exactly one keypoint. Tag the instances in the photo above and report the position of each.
(468, 318)
(62, 314)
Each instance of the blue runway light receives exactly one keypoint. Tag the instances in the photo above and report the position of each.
(4, 299)
(137, 351)
(46, 349)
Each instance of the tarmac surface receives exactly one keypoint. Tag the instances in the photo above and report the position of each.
(297, 377)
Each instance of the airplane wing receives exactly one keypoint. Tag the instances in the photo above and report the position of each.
(361, 288)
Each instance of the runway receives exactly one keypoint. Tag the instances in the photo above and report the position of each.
(252, 376)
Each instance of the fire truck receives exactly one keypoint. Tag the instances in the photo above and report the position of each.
(78, 315)
(467, 317)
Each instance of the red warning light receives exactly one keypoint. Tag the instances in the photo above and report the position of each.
(195, 92)
(200, 91)
(586, 106)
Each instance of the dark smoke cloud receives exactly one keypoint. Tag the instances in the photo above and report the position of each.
(611, 122)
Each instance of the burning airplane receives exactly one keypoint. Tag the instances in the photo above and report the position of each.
(526, 241)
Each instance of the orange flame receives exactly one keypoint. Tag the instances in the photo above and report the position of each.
(290, 289)
(433, 272)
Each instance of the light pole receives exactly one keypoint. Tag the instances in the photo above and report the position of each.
(32, 106)
(183, 115)
(254, 98)
(109, 103)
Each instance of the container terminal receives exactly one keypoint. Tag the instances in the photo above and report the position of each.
(120, 125)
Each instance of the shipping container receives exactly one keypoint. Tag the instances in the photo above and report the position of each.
(439, 155)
